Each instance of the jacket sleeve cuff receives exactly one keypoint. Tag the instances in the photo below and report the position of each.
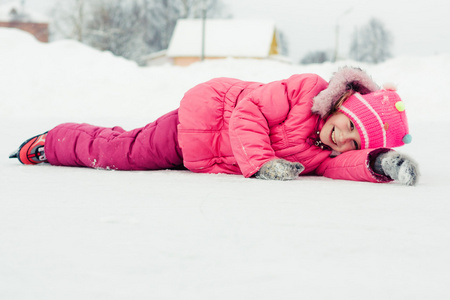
(371, 159)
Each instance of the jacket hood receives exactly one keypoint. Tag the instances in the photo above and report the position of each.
(345, 79)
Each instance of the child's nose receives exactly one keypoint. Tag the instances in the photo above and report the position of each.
(346, 137)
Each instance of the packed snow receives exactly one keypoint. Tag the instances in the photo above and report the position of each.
(78, 233)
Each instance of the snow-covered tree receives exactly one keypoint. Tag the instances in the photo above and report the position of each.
(129, 28)
(69, 19)
(372, 43)
(283, 45)
(315, 57)
(116, 27)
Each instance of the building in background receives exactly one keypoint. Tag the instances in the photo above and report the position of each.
(15, 15)
(234, 38)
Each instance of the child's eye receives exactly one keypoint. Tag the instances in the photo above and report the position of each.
(356, 145)
(351, 125)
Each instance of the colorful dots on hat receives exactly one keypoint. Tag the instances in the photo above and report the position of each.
(400, 106)
(407, 139)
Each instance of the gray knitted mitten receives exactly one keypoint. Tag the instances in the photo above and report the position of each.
(280, 169)
(397, 166)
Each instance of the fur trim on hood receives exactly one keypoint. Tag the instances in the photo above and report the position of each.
(345, 79)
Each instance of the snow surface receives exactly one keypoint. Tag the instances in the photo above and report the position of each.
(74, 233)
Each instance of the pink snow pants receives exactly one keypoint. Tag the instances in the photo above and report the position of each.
(152, 147)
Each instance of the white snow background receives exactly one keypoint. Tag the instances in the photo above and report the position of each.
(78, 233)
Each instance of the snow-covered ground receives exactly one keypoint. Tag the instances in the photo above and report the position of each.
(73, 233)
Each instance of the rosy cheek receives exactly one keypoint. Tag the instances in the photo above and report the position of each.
(346, 147)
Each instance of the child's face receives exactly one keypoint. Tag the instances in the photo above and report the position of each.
(340, 133)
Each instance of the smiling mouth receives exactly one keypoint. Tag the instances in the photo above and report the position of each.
(332, 136)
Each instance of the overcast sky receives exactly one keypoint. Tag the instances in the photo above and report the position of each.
(418, 27)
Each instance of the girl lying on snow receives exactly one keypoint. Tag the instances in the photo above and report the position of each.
(343, 130)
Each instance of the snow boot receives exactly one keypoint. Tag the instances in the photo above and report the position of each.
(31, 151)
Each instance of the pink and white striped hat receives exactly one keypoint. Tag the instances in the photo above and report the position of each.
(379, 117)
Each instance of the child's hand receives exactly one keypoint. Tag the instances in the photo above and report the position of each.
(280, 169)
(398, 167)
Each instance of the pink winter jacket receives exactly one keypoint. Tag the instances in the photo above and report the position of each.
(233, 126)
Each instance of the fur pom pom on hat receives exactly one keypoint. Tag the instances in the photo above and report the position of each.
(345, 79)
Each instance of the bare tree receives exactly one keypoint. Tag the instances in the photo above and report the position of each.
(315, 57)
(115, 26)
(194, 9)
(162, 16)
(283, 45)
(372, 43)
(128, 28)
(69, 20)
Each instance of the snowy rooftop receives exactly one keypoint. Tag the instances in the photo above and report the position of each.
(223, 38)
(15, 11)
